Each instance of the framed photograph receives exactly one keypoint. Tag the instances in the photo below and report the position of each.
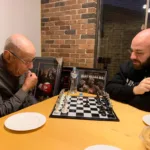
(65, 78)
(48, 70)
(91, 80)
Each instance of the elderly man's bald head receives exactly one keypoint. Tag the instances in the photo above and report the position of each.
(19, 44)
(18, 54)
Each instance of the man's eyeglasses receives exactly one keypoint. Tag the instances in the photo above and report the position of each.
(137, 53)
(25, 62)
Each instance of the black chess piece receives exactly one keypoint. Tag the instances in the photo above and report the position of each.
(86, 103)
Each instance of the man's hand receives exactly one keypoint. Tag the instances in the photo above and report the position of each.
(30, 81)
(144, 86)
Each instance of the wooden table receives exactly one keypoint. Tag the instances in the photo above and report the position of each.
(72, 134)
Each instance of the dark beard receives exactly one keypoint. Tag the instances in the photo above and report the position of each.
(145, 65)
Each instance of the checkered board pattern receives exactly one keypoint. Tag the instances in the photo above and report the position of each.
(93, 111)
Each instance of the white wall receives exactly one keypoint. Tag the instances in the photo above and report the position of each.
(21, 16)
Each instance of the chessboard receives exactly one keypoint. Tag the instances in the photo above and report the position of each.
(84, 107)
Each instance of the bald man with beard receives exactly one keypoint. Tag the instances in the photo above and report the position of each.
(16, 79)
(131, 84)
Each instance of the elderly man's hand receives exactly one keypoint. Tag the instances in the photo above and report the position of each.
(144, 86)
(30, 82)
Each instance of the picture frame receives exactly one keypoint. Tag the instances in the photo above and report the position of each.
(48, 71)
(65, 78)
(91, 80)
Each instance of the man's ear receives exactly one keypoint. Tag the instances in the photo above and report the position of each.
(7, 56)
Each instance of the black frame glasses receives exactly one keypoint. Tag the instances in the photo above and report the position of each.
(25, 62)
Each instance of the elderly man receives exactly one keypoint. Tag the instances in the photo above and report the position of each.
(16, 80)
(132, 83)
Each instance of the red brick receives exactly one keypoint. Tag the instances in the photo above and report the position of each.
(45, 28)
(81, 31)
(80, 42)
(82, 21)
(70, 2)
(82, 11)
(70, 12)
(54, 1)
(66, 63)
(74, 64)
(65, 8)
(89, 60)
(91, 32)
(54, 46)
(49, 50)
(45, 10)
(72, 22)
(45, 54)
(89, 55)
(74, 55)
(92, 0)
(59, 32)
(65, 27)
(88, 26)
(64, 36)
(50, 32)
(76, 16)
(54, 36)
(59, 41)
(82, 1)
(65, 17)
(54, 9)
(91, 10)
(74, 46)
(92, 41)
(81, 60)
(81, 51)
(54, 18)
(83, 46)
(77, 6)
(64, 55)
(45, 46)
(54, 54)
(68, 50)
(58, 14)
(77, 26)
(54, 28)
(49, 5)
(86, 65)
(58, 50)
(72, 60)
(90, 51)
(50, 24)
(64, 46)
(75, 37)
(69, 41)
(59, 23)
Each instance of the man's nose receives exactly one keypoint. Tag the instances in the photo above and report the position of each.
(30, 66)
(133, 56)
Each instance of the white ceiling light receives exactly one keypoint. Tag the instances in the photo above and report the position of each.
(144, 6)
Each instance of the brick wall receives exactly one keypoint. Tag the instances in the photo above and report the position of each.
(68, 30)
(120, 26)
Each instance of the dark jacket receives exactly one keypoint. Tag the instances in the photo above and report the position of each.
(12, 97)
(121, 86)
